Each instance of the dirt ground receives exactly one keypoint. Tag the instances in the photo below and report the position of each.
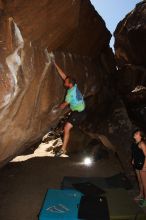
(25, 180)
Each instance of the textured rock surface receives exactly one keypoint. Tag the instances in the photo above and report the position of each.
(130, 50)
(31, 89)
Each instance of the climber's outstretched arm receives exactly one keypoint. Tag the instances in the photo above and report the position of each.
(60, 71)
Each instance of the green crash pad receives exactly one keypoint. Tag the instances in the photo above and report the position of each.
(122, 207)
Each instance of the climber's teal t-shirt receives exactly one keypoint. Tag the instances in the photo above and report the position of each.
(75, 99)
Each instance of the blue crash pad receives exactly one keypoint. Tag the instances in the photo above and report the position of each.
(60, 204)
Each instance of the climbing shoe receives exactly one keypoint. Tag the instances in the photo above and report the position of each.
(142, 203)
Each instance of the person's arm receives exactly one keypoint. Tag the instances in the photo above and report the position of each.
(63, 105)
(60, 71)
(142, 145)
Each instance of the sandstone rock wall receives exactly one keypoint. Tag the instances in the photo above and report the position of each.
(31, 89)
(130, 49)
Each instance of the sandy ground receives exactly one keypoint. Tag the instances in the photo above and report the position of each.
(25, 180)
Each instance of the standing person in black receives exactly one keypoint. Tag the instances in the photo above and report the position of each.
(139, 164)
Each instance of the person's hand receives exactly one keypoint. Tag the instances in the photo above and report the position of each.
(132, 162)
(62, 106)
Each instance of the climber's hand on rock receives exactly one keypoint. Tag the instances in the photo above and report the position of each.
(63, 105)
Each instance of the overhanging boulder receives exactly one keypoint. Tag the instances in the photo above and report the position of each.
(31, 90)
